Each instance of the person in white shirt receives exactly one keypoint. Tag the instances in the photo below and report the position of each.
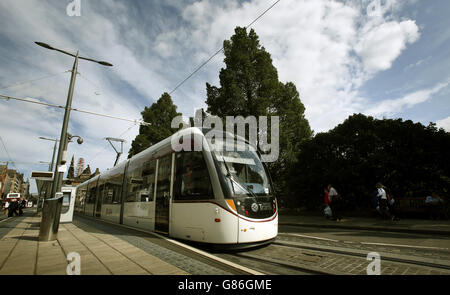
(384, 199)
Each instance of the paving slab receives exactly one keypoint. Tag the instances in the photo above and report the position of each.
(21, 252)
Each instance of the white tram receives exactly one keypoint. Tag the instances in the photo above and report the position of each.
(216, 197)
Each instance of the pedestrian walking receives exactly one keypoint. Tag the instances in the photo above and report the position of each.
(335, 203)
(7, 208)
(383, 198)
(391, 203)
(21, 206)
(327, 210)
(13, 206)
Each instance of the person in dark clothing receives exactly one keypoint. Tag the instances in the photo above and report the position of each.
(21, 206)
(13, 208)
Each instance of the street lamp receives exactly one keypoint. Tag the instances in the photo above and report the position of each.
(59, 170)
(70, 136)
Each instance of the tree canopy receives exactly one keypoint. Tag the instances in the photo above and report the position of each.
(159, 115)
(249, 86)
(409, 158)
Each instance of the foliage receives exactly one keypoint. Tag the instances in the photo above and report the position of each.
(159, 115)
(409, 158)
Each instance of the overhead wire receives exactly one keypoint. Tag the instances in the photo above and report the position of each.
(33, 80)
(89, 81)
(7, 153)
(106, 144)
(114, 117)
(73, 109)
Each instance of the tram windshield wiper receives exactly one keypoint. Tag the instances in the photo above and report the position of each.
(230, 176)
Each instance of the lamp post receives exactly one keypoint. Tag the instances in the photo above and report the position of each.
(59, 170)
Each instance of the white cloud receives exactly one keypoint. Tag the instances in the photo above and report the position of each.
(382, 44)
(328, 48)
(444, 123)
(392, 106)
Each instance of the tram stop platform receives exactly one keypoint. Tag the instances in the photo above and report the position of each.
(21, 252)
(419, 226)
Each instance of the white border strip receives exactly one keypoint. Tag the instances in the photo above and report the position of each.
(5, 219)
(309, 237)
(365, 243)
(404, 246)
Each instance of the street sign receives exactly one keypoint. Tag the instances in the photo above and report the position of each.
(62, 168)
(42, 175)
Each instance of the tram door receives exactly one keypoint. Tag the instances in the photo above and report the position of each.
(163, 194)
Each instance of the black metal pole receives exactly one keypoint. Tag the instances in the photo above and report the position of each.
(58, 176)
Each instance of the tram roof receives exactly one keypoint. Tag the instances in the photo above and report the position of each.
(163, 143)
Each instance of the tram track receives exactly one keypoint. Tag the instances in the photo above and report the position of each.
(292, 258)
(282, 257)
(261, 262)
(363, 254)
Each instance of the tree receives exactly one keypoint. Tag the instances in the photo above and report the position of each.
(249, 85)
(159, 115)
(409, 158)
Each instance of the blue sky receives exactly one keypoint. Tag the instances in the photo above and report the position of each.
(391, 62)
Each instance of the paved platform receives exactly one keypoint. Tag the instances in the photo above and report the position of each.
(421, 226)
(21, 252)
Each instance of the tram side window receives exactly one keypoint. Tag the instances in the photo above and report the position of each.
(141, 183)
(148, 184)
(134, 184)
(108, 194)
(83, 197)
(113, 189)
(192, 180)
(81, 194)
(101, 192)
(92, 194)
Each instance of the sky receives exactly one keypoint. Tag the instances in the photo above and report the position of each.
(383, 58)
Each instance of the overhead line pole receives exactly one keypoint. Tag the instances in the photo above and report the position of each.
(59, 171)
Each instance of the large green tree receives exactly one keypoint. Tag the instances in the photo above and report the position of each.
(409, 158)
(159, 115)
(249, 86)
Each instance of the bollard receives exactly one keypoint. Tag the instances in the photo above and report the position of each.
(51, 212)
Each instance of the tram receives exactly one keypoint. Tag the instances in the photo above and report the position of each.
(206, 195)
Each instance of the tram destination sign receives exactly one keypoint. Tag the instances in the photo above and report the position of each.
(42, 175)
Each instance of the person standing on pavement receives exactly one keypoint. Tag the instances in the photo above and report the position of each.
(335, 203)
(434, 205)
